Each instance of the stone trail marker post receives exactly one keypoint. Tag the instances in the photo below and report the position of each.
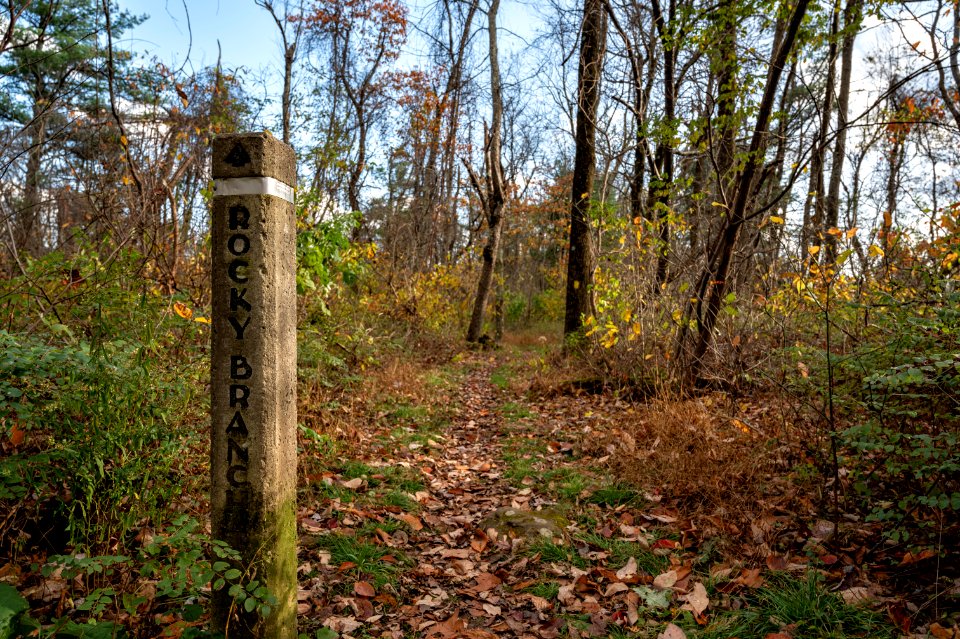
(253, 376)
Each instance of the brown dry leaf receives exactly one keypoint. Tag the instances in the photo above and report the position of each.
(666, 580)
(342, 625)
(491, 610)
(672, 632)
(364, 589)
(478, 633)
(629, 570)
(697, 601)
(409, 520)
(750, 577)
(479, 541)
(455, 553)
(939, 632)
(354, 483)
(615, 588)
(540, 603)
(857, 596)
(565, 594)
(452, 627)
(486, 581)
(777, 562)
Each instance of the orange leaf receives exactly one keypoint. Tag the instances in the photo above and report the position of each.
(182, 310)
(17, 434)
(364, 589)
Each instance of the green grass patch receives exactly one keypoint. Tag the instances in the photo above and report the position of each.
(806, 606)
(567, 483)
(550, 552)
(620, 552)
(378, 564)
(546, 589)
(501, 377)
(369, 528)
(402, 500)
(615, 495)
(514, 412)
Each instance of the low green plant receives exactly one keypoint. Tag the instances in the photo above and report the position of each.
(804, 606)
(381, 565)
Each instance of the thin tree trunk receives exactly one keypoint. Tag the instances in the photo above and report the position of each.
(718, 270)
(851, 24)
(493, 197)
(580, 261)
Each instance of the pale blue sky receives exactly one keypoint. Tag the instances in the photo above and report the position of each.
(247, 33)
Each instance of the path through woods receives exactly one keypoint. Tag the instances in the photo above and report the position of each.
(476, 500)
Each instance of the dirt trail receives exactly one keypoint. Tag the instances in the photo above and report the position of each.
(397, 543)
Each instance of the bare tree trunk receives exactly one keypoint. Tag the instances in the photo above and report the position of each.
(714, 279)
(492, 195)
(580, 261)
(851, 24)
(661, 186)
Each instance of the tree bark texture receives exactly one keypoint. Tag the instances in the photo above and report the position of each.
(580, 261)
(493, 197)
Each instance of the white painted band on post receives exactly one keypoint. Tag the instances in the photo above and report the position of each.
(254, 186)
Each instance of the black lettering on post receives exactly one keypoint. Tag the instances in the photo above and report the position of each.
(238, 244)
(239, 328)
(239, 395)
(237, 425)
(239, 217)
(236, 448)
(238, 299)
(239, 368)
(237, 471)
(233, 270)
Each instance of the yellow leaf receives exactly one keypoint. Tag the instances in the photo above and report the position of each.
(813, 250)
(636, 329)
(834, 231)
(743, 428)
(875, 251)
(626, 316)
(202, 320)
(182, 310)
(776, 219)
(576, 285)
(851, 233)
(123, 141)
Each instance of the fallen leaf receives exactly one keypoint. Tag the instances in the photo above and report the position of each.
(750, 577)
(565, 594)
(343, 625)
(354, 483)
(409, 520)
(615, 588)
(452, 627)
(665, 580)
(857, 596)
(364, 589)
(629, 570)
(672, 632)
(486, 581)
(697, 600)
(777, 562)
(491, 610)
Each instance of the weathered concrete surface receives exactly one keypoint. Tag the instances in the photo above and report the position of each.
(253, 381)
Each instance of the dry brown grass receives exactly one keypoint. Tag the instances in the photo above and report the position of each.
(691, 451)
